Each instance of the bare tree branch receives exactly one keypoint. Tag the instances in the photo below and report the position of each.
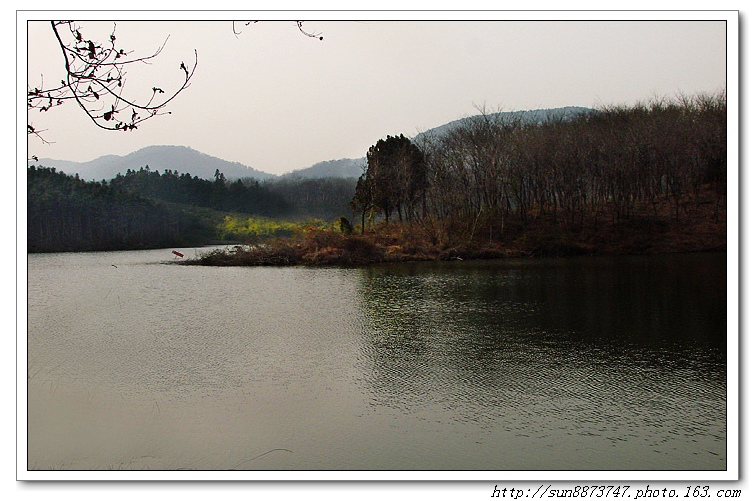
(247, 23)
(299, 25)
(95, 78)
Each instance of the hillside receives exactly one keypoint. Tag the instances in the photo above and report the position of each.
(646, 179)
(344, 168)
(187, 160)
(532, 117)
(158, 158)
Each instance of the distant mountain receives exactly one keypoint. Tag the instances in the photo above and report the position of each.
(187, 160)
(158, 158)
(344, 168)
(530, 116)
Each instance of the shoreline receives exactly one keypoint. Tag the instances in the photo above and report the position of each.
(401, 243)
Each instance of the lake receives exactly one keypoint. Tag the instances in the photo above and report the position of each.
(596, 363)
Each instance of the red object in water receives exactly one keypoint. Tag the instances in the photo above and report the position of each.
(178, 254)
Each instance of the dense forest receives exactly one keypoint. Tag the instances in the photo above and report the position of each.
(604, 166)
(147, 209)
(170, 186)
(65, 213)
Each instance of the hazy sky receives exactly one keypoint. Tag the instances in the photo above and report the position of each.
(276, 100)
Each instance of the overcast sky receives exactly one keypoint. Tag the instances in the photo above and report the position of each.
(277, 101)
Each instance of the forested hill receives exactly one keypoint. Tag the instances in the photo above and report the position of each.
(158, 158)
(345, 168)
(519, 118)
(647, 178)
(65, 213)
(187, 160)
(170, 186)
(145, 208)
(289, 198)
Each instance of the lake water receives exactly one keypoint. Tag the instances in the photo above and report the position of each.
(610, 363)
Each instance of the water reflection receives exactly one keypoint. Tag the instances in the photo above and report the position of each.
(629, 352)
(614, 363)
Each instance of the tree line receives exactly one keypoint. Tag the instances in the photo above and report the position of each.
(146, 209)
(170, 186)
(292, 198)
(493, 178)
(499, 170)
(65, 213)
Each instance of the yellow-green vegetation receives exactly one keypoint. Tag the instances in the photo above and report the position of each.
(258, 229)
